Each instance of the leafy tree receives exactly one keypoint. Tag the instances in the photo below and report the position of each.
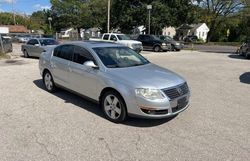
(216, 12)
(70, 13)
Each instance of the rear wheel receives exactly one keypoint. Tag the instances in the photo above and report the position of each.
(49, 82)
(114, 107)
(247, 54)
(26, 54)
(157, 48)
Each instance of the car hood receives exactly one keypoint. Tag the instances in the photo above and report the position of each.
(130, 42)
(146, 76)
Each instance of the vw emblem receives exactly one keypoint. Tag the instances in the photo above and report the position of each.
(180, 91)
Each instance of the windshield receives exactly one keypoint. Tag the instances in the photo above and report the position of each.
(123, 37)
(45, 42)
(119, 57)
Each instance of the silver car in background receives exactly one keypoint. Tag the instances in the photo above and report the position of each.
(34, 47)
(121, 80)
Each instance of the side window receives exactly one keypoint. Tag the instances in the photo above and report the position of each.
(146, 37)
(106, 37)
(30, 42)
(64, 52)
(113, 38)
(35, 42)
(81, 55)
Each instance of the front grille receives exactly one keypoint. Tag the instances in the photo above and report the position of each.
(176, 92)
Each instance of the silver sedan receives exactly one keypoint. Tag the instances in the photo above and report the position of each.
(34, 47)
(121, 80)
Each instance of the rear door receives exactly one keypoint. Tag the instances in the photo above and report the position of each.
(60, 64)
(145, 39)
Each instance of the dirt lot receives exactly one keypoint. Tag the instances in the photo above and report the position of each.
(37, 125)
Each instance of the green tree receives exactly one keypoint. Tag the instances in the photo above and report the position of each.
(70, 13)
(216, 11)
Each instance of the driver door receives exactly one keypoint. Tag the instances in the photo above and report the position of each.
(83, 79)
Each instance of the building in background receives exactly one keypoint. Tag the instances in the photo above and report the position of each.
(169, 31)
(200, 30)
(13, 29)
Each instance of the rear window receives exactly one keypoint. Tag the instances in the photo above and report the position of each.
(45, 42)
(105, 37)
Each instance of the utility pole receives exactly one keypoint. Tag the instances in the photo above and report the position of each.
(13, 11)
(149, 8)
(108, 27)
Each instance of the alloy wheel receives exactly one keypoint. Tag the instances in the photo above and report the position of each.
(112, 107)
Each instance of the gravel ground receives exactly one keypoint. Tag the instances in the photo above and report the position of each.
(37, 125)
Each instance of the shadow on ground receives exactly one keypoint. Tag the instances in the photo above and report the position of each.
(94, 107)
(235, 56)
(245, 78)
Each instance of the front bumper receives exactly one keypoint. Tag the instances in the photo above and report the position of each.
(160, 108)
(166, 47)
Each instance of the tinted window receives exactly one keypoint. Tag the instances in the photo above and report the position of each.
(64, 52)
(144, 37)
(105, 37)
(45, 42)
(81, 55)
(33, 42)
(113, 38)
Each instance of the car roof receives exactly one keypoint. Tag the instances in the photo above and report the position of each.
(93, 44)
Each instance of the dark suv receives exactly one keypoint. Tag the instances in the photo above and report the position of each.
(151, 42)
(245, 49)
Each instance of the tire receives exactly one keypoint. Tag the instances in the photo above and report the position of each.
(157, 48)
(25, 53)
(247, 55)
(114, 107)
(49, 82)
(172, 48)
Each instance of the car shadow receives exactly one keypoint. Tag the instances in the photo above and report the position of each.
(245, 78)
(235, 56)
(95, 108)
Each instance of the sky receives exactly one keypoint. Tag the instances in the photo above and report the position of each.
(24, 6)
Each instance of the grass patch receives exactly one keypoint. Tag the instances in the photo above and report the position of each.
(4, 56)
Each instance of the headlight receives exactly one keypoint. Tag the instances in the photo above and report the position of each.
(177, 43)
(163, 44)
(151, 94)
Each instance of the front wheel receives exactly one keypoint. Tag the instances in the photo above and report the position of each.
(49, 82)
(114, 107)
(157, 48)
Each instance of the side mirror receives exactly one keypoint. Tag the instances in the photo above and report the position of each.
(90, 64)
(37, 45)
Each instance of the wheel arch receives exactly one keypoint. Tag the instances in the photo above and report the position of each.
(111, 89)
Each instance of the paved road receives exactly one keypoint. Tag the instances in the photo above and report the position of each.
(38, 126)
(213, 48)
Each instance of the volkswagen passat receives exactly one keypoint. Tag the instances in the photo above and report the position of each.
(121, 80)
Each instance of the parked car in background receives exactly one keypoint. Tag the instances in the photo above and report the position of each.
(245, 49)
(7, 44)
(121, 39)
(34, 47)
(121, 80)
(152, 42)
(175, 46)
(22, 38)
(191, 38)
